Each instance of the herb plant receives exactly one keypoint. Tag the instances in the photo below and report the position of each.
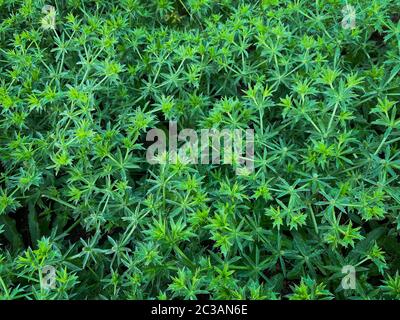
(82, 83)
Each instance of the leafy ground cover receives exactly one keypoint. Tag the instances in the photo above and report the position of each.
(82, 83)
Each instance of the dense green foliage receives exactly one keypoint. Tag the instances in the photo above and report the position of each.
(77, 193)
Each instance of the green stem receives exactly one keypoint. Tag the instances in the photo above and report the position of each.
(332, 116)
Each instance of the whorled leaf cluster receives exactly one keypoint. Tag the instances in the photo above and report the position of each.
(78, 94)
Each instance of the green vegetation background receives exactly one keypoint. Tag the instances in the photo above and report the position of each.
(317, 80)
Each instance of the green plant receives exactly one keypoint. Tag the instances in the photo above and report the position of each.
(78, 96)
